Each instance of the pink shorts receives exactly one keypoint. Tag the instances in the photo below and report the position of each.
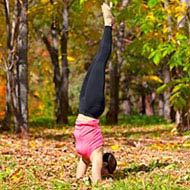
(88, 137)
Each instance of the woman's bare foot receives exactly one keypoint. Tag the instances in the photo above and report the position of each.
(108, 18)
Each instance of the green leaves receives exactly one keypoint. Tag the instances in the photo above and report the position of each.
(180, 92)
(161, 88)
(82, 1)
(166, 43)
(180, 95)
(161, 52)
(115, 2)
(152, 3)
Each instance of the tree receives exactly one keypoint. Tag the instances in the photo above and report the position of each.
(172, 47)
(115, 69)
(183, 113)
(56, 44)
(16, 65)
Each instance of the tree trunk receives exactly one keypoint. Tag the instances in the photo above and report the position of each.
(148, 103)
(166, 73)
(160, 105)
(6, 123)
(160, 97)
(183, 123)
(166, 94)
(20, 93)
(183, 115)
(126, 102)
(112, 114)
(62, 113)
(142, 103)
(60, 74)
(147, 99)
(16, 66)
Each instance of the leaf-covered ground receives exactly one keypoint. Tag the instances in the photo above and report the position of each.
(148, 158)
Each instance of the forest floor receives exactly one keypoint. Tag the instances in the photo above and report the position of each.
(149, 157)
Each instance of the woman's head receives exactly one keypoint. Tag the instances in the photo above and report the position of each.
(109, 164)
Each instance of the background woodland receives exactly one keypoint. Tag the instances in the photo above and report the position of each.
(46, 47)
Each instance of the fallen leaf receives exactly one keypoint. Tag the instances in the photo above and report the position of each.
(115, 147)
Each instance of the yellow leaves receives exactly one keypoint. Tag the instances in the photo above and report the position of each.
(165, 145)
(61, 174)
(186, 145)
(36, 93)
(165, 29)
(32, 144)
(182, 8)
(115, 147)
(122, 164)
(44, 1)
(153, 78)
(158, 145)
(186, 142)
(177, 8)
(174, 131)
(17, 175)
(59, 145)
(71, 59)
(151, 17)
(82, 1)
(179, 16)
(167, 158)
(172, 145)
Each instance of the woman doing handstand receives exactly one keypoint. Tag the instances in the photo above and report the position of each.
(88, 136)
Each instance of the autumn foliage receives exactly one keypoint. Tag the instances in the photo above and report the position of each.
(2, 99)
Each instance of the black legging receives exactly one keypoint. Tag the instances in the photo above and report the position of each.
(92, 101)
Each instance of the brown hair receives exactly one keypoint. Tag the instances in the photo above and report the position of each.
(112, 163)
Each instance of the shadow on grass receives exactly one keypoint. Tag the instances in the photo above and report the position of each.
(40, 124)
(154, 132)
(121, 174)
(124, 128)
(57, 137)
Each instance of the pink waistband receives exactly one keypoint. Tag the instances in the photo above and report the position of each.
(92, 123)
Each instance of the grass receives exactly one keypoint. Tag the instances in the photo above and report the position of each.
(133, 181)
(141, 120)
(149, 157)
(123, 120)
